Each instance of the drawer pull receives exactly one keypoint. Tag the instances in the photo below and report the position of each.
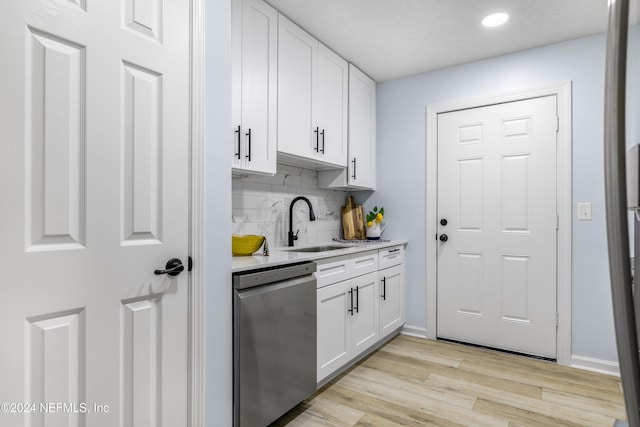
(394, 250)
(351, 295)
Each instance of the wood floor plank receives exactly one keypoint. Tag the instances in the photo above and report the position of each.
(585, 403)
(541, 378)
(388, 387)
(521, 417)
(322, 412)
(441, 401)
(505, 385)
(385, 410)
(416, 382)
(561, 412)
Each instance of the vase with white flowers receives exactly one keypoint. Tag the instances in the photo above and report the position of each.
(375, 223)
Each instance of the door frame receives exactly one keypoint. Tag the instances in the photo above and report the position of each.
(195, 362)
(562, 91)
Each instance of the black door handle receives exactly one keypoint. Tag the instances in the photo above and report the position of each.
(354, 168)
(238, 132)
(384, 288)
(357, 299)
(322, 133)
(173, 268)
(248, 156)
(443, 238)
(351, 295)
(317, 132)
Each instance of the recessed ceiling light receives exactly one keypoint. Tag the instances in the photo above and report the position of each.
(495, 19)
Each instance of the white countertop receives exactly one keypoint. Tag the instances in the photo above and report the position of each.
(285, 255)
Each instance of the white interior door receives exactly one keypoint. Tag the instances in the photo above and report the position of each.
(95, 135)
(497, 208)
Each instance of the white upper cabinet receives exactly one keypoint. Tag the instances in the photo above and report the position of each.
(312, 100)
(361, 168)
(254, 86)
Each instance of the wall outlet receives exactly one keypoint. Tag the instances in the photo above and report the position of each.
(584, 211)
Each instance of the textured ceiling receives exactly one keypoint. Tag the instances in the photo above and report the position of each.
(389, 39)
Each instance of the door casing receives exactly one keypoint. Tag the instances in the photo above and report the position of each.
(195, 379)
(562, 90)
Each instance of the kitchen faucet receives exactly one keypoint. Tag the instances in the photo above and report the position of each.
(312, 217)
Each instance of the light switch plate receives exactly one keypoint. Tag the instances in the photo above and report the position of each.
(584, 211)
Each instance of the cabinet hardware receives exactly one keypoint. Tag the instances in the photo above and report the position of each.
(322, 133)
(444, 238)
(317, 132)
(384, 288)
(354, 168)
(350, 310)
(238, 132)
(394, 250)
(248, 156)
(357, 299)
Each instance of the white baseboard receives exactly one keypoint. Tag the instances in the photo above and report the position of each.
(595, 365)
(414, 331)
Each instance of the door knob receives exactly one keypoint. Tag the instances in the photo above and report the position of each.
(443, 238)
(443, 222)
(173, 267)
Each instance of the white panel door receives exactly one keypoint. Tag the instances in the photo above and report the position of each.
(364, 319)
(297, 89)
(334, 332)
(391, 299)
(497, 207)
(254, 85)
(333, 96)
(94, 115)
(362, 129)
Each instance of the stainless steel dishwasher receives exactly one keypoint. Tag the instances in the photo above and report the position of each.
(274, 348)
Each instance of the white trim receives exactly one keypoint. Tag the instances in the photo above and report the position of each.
(414, 331)
(195, 400)
(562, 90)
(595, 365)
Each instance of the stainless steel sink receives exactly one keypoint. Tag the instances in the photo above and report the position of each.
(322, 248)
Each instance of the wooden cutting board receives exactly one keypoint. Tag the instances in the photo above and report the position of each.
(353, 221)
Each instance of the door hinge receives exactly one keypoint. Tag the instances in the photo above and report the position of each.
(557, 222)
(557, 319)
(557, 124)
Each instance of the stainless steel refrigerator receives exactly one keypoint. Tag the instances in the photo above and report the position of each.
(621, 193)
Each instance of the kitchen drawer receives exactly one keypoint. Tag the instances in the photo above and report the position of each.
(363, 263)
(390, 256)
(333, 270)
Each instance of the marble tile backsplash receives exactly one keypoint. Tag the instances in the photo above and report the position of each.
(261, 206)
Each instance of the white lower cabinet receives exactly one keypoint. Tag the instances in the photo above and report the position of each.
(334, 331)
(364, 316)
(357, 308)
(391, 299)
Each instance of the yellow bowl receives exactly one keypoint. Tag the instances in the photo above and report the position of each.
(245, 245)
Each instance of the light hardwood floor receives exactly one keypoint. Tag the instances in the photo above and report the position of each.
(416, 382)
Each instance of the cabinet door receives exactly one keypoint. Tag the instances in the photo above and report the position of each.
(297, 86)
(334, 340)
(254, 86)
(333, 96)
(391, 299)
(364, 322)
(362, 129)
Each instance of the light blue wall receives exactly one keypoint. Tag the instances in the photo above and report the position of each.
(401, 168)
(218, 399)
